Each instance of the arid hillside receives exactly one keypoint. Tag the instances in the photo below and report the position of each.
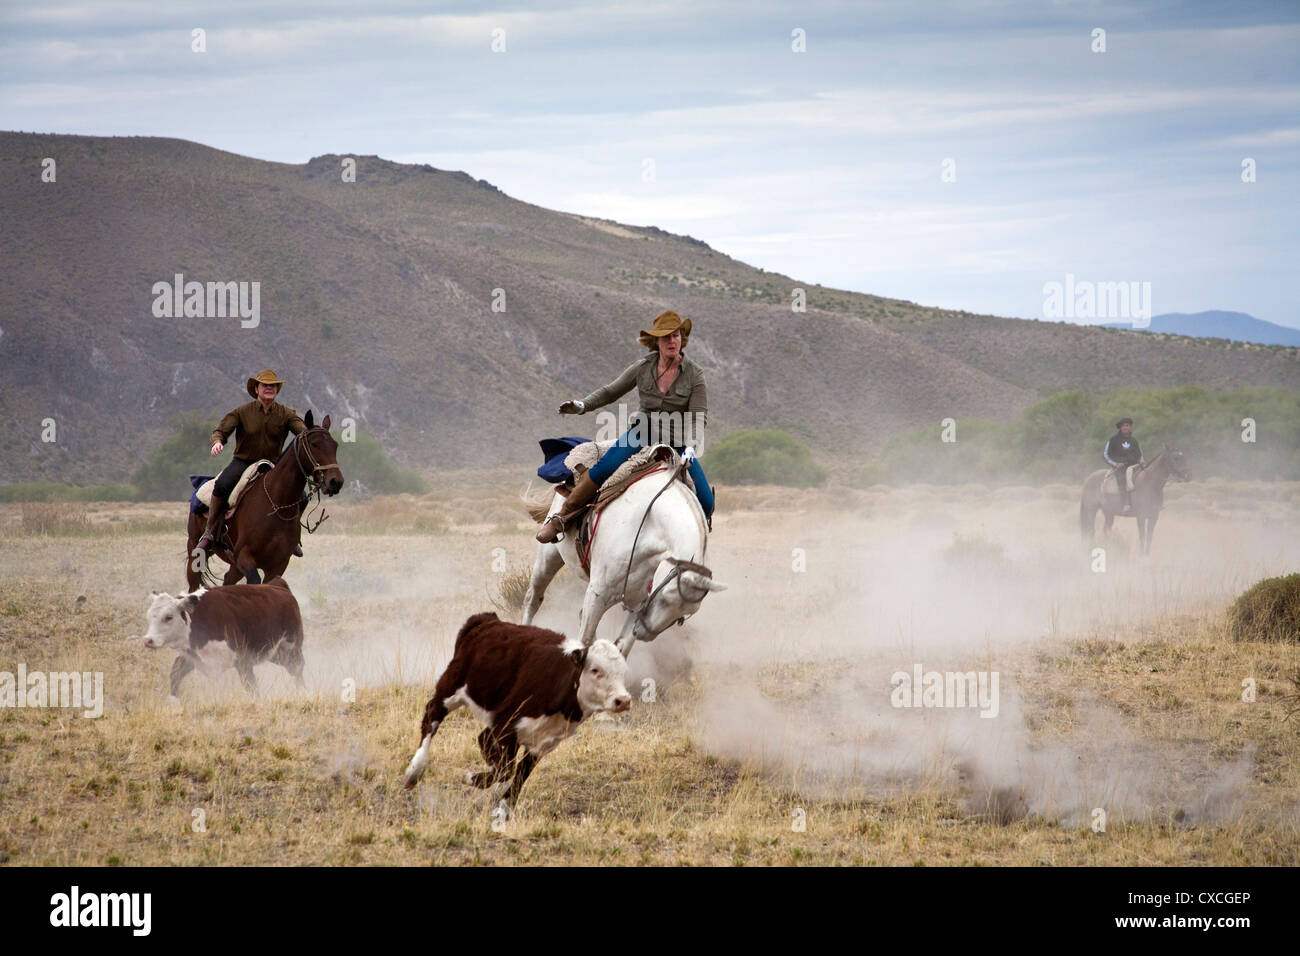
(376, 302)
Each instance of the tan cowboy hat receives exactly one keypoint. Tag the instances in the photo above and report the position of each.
(264, 377)
(666, 323)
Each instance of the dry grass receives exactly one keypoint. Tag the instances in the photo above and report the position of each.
(510, 591)
(309, 778)
(41, 517)
(1268, 611)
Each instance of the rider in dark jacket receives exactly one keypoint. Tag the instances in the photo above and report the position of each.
(1123, 452)
(261, 427)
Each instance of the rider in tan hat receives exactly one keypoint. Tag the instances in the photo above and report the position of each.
(263, 424)
(666, 381)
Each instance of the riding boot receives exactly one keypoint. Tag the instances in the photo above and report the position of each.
(216, 511)
(582, 493)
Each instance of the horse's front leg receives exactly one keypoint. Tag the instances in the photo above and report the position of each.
(243, 566)
(594, 605)
(627, 636)
(546, 565)
(273, 569)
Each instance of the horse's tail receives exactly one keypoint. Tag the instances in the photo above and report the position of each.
(537, 502)
(1087, 516)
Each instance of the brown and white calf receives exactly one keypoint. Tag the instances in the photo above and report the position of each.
(236, 626)
(532, 687)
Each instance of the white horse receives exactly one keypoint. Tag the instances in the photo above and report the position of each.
(667, 580)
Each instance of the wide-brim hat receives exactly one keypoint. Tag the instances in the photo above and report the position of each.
(1124, 421)
(666, 323)
(264, 377)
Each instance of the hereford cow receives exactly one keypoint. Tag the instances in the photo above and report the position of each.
(236, 626)
(530, 686)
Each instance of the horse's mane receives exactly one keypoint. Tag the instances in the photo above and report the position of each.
(293, 440)
(287, 448)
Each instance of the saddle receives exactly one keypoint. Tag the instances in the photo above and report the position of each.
(203, 491)
(642, 461)
(642, 464)
(1110, 484)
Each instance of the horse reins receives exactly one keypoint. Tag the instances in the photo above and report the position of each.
(674, 574)
(672, 477)
(301, 448)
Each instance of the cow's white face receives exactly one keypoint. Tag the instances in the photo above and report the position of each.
(169, 620)
(601, 686)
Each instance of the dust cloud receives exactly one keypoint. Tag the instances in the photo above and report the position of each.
(798, 665)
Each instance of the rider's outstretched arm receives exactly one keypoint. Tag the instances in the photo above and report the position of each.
(224, 429)
(615, 389)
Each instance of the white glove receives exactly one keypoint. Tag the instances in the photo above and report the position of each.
(688, 454)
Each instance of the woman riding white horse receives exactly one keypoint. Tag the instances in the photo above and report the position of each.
(667, 382)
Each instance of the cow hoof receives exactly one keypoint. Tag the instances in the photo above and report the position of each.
(412, 777)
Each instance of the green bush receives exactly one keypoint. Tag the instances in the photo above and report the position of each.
(1268, 611)
(164, 475)
(762, 457)
(978, 454)
(1061, 437)
(365, 460)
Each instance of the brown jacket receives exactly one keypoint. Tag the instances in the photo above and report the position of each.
(686, 394)
(261, 434)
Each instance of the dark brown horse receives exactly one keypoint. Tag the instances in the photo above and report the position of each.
(265, 529)
(1148, 496)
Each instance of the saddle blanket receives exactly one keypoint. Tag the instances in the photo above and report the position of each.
(1110, 484)
(203, 488)
(587, 454)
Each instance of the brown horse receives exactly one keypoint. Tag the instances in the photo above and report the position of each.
(1148, 496)
(265, 529)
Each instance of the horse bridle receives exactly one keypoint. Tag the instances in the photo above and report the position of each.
(678, 565)
(674, 575)
(313, 478)
(300, 448)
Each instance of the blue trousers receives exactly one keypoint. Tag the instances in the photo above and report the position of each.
(623, 449)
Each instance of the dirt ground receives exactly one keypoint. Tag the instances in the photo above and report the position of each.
(765, 731)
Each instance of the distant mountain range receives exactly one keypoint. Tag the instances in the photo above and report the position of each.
(1235, 326)
(450, 320)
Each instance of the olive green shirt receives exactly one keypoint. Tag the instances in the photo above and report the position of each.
(261, 434)
(686, 394)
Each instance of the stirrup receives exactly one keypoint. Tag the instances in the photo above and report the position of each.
(551, 519)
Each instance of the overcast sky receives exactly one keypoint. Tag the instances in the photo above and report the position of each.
(825, 165)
